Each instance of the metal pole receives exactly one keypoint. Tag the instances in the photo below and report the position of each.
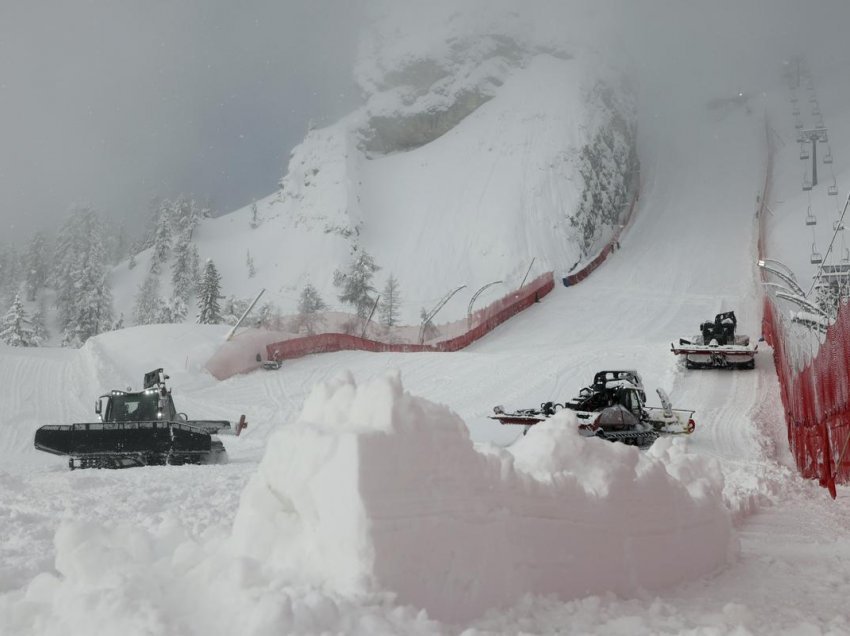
(814, 160)
(231, 333)
(783, 272)
(474, 296)
(527, 273)
(831, 243)
(369, 319)
(430, 316)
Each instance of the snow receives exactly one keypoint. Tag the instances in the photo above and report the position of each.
(356, 504)
(369, 472)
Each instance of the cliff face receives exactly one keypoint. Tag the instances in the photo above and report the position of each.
(485, 140)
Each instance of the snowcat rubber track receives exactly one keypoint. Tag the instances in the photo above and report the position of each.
(643, 439)
(126, 444)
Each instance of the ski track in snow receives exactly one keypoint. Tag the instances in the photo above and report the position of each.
(655, 289)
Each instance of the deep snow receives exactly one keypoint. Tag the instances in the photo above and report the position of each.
(370, 486)
(241, 548)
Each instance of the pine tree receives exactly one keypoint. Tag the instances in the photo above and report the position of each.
(310, 304)
(390, 302)
(249, 261)
(36, 265)
(182, 273)
(162, 240)
(15, 328)
(11, 273)
(356, 285)
(149, 305)
(173, 311)
(79, 276)
(185, 215)
(209, 295)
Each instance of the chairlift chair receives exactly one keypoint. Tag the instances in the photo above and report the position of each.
(804, 151)
(811, 219)
(798, 124)
(827, 158)
(838, 226)
(816, 258)
(807, 185)
(833, 189)
(816, 111)
(796, 111)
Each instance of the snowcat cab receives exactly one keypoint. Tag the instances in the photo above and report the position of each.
(717, 345)
(613, 407)
(137, 429)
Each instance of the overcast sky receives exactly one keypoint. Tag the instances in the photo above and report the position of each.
(109, 103)
(113, 102)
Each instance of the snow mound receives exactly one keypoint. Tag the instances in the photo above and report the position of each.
(373, 489)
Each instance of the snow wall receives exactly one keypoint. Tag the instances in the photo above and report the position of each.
(815, 390)
(240, 354)
(375, 489)
(613, 244)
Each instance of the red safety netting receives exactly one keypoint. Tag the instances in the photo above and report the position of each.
(813, 367)
(339, 331)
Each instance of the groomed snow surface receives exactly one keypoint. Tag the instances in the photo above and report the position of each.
(370, 501)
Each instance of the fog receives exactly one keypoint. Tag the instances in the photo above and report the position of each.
(112, 103)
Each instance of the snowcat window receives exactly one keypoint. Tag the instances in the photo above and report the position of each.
(133, 408)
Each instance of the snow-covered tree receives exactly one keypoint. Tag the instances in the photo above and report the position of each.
(11, 272)
(186, 214)
(162, 240)
(183, 279)
(390, 303)
(172, 311)
(356, 284)
(15, 328)
(209, 293)
(249, 262)
(310, 304)
(79, 276)
(36, 265)
(149, 304)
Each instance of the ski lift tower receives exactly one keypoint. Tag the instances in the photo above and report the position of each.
(815, 135)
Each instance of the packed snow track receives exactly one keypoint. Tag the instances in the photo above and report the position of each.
(688, 255)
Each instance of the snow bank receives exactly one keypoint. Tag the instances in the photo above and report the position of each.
(374, 489)
(374, 504)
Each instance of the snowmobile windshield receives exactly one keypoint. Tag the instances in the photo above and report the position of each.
(133, 407)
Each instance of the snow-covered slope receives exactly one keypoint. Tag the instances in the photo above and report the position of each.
(156, 550)
(464, 164)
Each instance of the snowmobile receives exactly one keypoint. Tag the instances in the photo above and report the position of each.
(614, 408)
(718, 346)
(138, 429)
